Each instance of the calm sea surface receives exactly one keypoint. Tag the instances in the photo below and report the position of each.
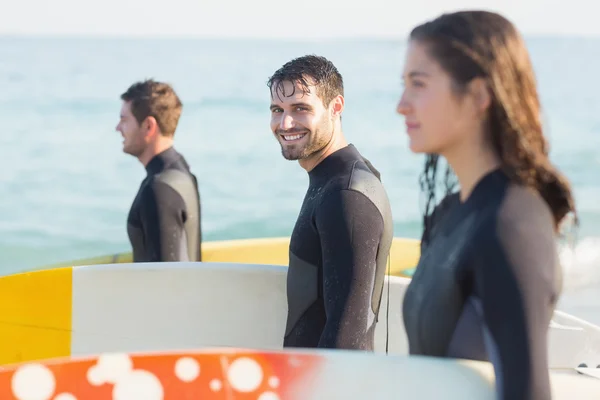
(66, 187)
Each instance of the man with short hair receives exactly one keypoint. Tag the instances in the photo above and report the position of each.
(340, 244)
(164, 220)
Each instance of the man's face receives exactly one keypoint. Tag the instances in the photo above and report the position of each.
(302, 124)
(134, 142)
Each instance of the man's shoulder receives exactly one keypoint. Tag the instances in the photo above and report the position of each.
(364, 172)
(163, 183)
(177, 187)
(353, 199)
(173, 174)
(359, 177)
(367, 181)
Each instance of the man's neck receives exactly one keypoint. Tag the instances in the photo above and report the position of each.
(152, 150)
(337, 142)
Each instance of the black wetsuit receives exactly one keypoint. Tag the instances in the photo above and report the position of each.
(486, 285)
(164, 220)
(338, 255)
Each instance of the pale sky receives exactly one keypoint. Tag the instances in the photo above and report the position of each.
(282, 19)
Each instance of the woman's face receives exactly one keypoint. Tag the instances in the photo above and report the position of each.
(437, 117)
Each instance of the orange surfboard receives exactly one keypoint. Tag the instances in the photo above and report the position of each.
(213, 374)
(243, 374)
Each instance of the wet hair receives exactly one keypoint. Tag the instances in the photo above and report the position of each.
(481, 44)
(150, 98)
(309, 70)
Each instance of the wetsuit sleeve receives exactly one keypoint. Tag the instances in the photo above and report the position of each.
(162, 212)
(350, 228)
(517, 279)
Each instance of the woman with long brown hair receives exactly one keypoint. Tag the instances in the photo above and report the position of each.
(488, 278)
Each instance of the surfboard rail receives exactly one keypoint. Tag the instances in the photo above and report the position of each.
(140, 307)
(404, 254)
(240, 374)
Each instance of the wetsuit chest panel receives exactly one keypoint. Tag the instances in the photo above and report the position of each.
(471, 334)
(305, 320)
(134, 224)
(439, 283)
(304, 241)
(302, 280)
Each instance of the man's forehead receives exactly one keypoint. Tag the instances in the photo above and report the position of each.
(126, 105)
(292, 90)
(126, 108)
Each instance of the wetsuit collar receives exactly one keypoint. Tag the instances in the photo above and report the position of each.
(483, 190)
(162, 160)
(334, 162)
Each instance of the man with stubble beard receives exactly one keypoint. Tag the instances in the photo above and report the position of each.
(340, 244)
(164, 220)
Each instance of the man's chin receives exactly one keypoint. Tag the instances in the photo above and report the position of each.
(293, 155)
(131, 152)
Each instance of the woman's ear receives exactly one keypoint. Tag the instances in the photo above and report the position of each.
(482, 96)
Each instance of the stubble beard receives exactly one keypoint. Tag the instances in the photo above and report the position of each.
(317, 140)
(135, 147)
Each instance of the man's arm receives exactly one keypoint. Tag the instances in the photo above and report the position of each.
(350, 227)
(162, 210)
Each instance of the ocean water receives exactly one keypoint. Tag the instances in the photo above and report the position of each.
(66, 186)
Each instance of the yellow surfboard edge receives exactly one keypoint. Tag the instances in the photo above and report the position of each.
(404, 254)
(44, 297)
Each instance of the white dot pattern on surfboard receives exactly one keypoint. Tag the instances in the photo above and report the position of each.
(37, 382)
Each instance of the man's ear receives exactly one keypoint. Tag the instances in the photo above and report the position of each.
(337, 106)
(150, 127)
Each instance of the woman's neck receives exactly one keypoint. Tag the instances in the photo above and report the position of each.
(470, 162)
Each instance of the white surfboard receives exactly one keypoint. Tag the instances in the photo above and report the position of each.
(145, 307)
(573, 342)
(149, 307)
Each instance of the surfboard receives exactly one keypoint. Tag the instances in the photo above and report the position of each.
(593, 372)
(574, 341)
(404, 254)
(243, 374)
(144, 307)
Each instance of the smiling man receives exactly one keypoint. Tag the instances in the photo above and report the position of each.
(341, 241)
